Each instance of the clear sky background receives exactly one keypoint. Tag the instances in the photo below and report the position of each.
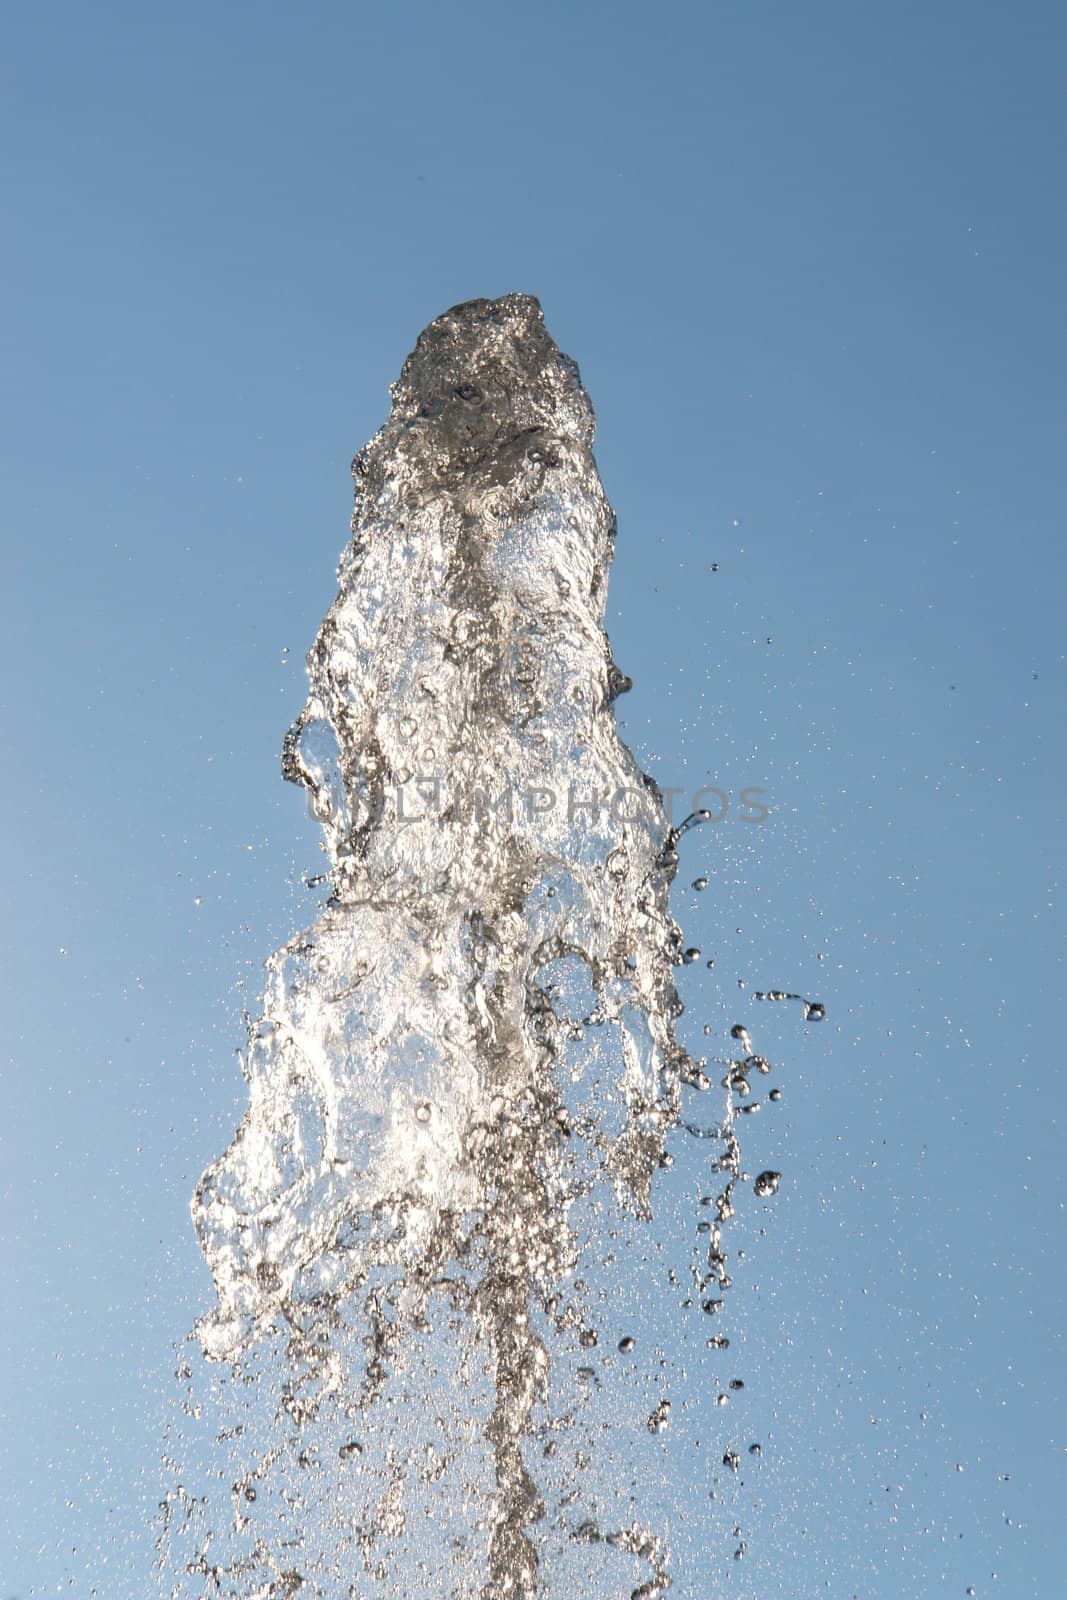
(807, 258)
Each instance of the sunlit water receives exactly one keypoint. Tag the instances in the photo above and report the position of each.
(442, 1354)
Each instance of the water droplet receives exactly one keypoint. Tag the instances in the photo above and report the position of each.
(660, 1417)
(700, 883)
(626, 1345)
(691, 955)
(732, 1460)
(767, 1184)
(775, 1094)
(422, 1113)
(755, 1450)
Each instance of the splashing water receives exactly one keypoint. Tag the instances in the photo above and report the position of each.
(465, 1071)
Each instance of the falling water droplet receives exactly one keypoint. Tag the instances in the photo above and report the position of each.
(660, 1417)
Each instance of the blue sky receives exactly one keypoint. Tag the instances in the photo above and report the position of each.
(807, 259)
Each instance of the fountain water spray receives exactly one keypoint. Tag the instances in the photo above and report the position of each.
(474, 1039)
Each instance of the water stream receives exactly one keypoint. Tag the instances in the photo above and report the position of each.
(436, 1362)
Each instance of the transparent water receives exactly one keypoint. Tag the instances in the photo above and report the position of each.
(447, 1355)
